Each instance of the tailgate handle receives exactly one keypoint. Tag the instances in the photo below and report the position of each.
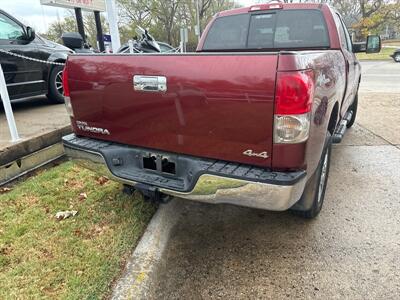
(144, 83)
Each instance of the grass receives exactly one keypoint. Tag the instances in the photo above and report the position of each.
(383, 55)
(77, 258)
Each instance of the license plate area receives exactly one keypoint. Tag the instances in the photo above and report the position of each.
(159, 163)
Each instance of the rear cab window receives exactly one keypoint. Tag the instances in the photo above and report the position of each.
(279, 29)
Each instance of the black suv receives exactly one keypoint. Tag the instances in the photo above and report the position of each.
(26, 78)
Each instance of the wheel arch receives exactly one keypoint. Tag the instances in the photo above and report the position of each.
(57, 57)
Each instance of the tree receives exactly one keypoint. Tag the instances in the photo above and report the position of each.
(164, 14)
(374, 15)
(165, 18)
(57, 28)
(68, 24)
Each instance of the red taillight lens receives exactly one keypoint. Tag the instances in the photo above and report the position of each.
(294, 92)
(65, 82)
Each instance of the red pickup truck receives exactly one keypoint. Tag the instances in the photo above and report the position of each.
(248, 119)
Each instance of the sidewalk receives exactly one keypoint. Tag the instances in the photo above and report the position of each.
(34, 117)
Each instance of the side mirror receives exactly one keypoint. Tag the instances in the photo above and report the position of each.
(30, 34)
(374, 44)
(359, 47)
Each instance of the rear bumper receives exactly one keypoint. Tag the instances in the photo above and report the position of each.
(197, 179)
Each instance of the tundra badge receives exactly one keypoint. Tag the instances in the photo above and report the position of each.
(254, 154)
(85, 127)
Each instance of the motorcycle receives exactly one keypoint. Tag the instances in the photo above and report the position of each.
(144, 43)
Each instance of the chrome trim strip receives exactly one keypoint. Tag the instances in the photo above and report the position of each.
(210, 188)
(25, 82)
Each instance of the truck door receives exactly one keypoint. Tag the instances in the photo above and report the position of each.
(352, 65)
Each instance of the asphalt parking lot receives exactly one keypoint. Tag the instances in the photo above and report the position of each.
(351, 251)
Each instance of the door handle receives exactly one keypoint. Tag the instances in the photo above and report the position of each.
(143, 83)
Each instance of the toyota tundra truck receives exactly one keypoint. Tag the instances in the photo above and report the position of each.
(248, 119)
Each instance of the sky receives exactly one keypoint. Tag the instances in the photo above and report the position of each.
(32, 13)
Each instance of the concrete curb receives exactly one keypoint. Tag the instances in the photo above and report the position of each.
(31, 145)
(30, 162)
(141, 271)
(23, 157)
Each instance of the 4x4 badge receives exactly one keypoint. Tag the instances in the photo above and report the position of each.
(254, 154)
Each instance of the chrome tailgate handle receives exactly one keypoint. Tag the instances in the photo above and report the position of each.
(149, 83)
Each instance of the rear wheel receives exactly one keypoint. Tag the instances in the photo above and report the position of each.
(353, 108)
(56, 90)
(397, 57)
(314, 192)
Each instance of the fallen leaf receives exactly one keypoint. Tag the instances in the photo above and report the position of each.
(102, 180)
(62, 215)
(4, 190)
(77, 232)
(82, 196)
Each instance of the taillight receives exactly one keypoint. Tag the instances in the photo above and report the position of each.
(65, 82)
(293, 103)
(67, 98)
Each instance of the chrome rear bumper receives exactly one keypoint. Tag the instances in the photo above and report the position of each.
(209, 188)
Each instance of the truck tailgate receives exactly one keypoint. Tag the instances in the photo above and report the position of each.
(215, 105)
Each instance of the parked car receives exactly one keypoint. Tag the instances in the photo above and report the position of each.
(248, 120)
(396, 55)
(25, 78)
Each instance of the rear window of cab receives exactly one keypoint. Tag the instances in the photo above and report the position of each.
(279, 29)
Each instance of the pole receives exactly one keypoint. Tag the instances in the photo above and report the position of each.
(198, 20)
(7, 107)
(130, 43)
(99, 30)
(112, 21)
(79, 22)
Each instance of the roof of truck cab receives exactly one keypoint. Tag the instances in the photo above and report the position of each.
(247, 9)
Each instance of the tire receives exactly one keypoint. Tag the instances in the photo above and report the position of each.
(314, 191)
(396, 57)
(353, 108)
(56, 90)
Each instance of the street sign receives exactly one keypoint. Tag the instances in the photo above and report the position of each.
(90, 5)
(184, 34)
(107, 38)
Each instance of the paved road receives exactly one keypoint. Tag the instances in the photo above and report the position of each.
(380, 76)
(351, 251)
(33, 117)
